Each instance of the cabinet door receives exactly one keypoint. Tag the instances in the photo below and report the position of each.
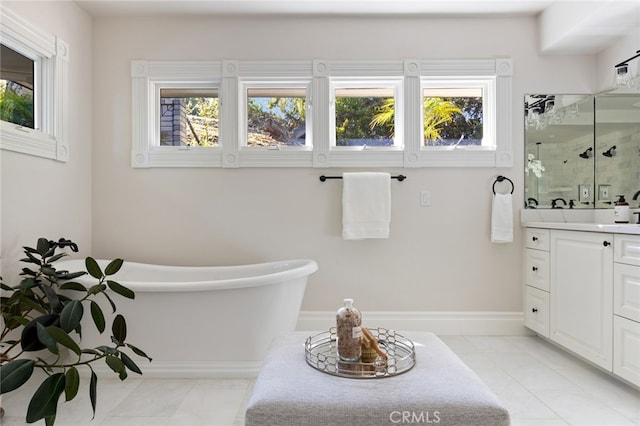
(581, 294)
(626, 348)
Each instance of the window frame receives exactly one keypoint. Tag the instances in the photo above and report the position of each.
(234, 77)
(51, 56)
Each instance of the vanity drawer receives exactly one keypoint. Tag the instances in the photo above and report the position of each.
(536, 310)
(537, 269)
(536, 238)
(626, 249)
(626, 291)
(626, 349)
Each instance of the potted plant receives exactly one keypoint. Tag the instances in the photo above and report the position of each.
(42, 318)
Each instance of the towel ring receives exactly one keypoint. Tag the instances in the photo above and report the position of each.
(500, 179)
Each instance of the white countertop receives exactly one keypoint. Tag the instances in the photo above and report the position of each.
(615, 228)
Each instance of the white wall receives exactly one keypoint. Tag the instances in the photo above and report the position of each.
(42, 197)
(438, 258)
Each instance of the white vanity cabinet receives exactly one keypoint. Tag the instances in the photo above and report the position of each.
(581, 289)
(626, 308)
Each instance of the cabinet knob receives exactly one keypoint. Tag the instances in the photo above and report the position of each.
(534, 238)
(606, 243)
(534, 310)
(534, 269)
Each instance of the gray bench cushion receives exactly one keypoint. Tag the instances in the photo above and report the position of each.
(440, 389)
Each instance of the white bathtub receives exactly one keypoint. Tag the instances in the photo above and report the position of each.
(202, 321)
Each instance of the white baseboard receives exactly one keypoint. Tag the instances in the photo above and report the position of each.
(443, 323)
(185, 370)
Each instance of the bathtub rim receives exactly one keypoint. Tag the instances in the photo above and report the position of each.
(302, 268)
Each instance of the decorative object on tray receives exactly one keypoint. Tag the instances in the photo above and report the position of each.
(349, 332)
(395, 354)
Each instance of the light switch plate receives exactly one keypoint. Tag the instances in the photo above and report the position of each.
(425, 198)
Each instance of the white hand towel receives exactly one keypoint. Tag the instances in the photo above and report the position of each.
(366, 205)
(502, 219)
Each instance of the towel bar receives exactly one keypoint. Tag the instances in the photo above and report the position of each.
(323, 177)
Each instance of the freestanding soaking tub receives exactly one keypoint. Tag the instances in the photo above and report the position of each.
(201, 321)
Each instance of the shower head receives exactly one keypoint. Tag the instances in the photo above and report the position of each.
(586, 154)
(610, 152)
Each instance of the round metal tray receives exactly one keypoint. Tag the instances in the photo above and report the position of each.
(321, 354)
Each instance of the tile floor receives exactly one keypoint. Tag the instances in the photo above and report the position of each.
(539, 384)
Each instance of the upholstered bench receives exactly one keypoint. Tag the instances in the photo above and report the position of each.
(440, 389)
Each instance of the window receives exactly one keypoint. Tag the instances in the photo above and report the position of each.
(33, 85)
(407, 113)
(275, 116)
(189, 117)
(454, 113)
(16, 88)
(365, 114)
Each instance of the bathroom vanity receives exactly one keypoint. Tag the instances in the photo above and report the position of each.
(582, 291)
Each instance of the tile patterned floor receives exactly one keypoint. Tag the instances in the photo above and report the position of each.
(540, 384)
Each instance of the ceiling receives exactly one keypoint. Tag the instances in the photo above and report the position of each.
(588, 26)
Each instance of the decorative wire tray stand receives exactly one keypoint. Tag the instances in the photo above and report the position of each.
(321, 354)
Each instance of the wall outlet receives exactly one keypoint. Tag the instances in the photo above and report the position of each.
(604, 193)
(584, 193)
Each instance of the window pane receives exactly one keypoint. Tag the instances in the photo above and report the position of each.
(276, 116)
(452, 116)
(16, 88)
(189, 117)
(365, 116)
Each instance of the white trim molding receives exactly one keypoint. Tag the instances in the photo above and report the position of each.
(51, 58)
(443, 323)
(232, 77)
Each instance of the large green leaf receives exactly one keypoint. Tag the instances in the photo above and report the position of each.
(117, 366)
(29, 338)
(47, 339)
(15, 374)
(138, 351)
(73, 285)
(119, 328)
(56, 257)
(71, 315)
(43, 246)
(93, 268)
(51, 295)
(113, 266)
(49, 271)
(44, 402)
(98, 316)
(113, 305)
(28, 283)
(93, 391)
(121, 290)
(72, 383)
(31, 259)
(128, 362)
(64, 339)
